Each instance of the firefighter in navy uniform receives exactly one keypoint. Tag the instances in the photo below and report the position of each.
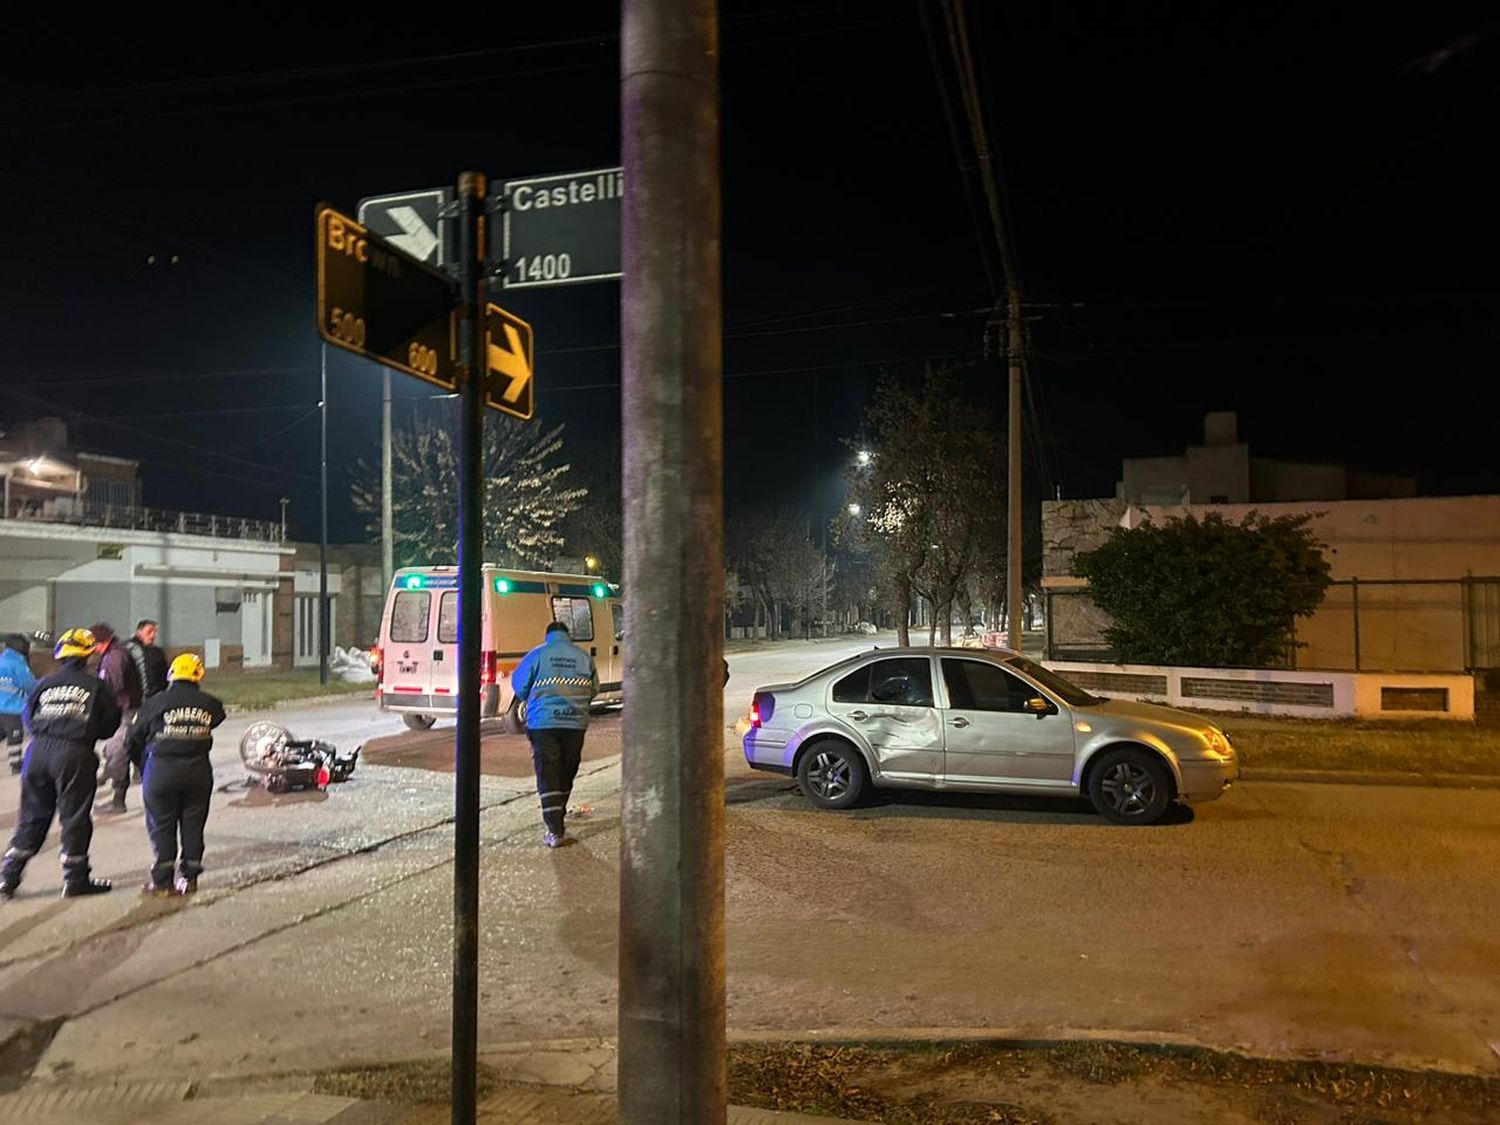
(173, 733)
(66, 714)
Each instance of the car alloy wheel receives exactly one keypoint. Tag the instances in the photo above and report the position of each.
(1131, 786)
(829, 775)
(1128, 788)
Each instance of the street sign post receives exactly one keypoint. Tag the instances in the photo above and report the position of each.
(377, 298)
(510, 358)
(561, 230)
(411, 221)
(380, 302)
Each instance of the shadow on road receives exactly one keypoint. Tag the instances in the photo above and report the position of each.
(998, 807)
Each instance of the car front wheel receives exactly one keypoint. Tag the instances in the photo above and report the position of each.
(1130, 787)
(831, 775)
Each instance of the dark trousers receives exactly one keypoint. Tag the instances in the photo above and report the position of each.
(14, 738)
(57, 778)
(555, 755)
(176, 792)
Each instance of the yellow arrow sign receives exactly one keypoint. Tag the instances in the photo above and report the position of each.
(512, 361)
(509, 346)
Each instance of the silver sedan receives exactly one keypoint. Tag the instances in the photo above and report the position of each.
(981, 721)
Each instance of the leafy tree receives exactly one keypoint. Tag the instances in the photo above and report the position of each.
(1206, 593)
(526, 493)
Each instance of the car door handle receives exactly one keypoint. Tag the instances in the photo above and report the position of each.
(437, 654)
(615, 651)
(960, 722)
(858, 716)
(593, 651)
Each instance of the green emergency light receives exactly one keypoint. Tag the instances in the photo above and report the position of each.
(414, 582)
(502, 585)
(599, 590)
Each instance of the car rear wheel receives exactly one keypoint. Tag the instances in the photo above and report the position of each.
(831, 775)
(419, 722)
(1130, 787)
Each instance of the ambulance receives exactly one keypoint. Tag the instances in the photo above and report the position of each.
(417, 659)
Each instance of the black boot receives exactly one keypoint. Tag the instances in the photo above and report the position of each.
(87, 886)
(10, 873)
(77, 880)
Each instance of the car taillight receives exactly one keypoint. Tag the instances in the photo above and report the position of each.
(377, 662)
(486, 667)
(755, 714)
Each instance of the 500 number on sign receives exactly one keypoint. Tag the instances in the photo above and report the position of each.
(346, 326)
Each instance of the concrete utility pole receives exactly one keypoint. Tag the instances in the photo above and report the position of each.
(671, 1019)
(1014, 606)
(387, 538)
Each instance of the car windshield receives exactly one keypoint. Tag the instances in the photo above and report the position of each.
(1070, 693)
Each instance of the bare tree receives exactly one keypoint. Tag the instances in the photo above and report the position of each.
(925, 495)
(526, 494)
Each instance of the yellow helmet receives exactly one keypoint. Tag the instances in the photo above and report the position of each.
(75, 642)
(188, 666)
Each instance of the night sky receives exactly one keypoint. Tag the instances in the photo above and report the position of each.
(1287, 214)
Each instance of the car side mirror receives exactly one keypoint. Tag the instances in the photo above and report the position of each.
(1040, 707)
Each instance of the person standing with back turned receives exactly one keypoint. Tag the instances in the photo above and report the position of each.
(66, 714)
(557, 681)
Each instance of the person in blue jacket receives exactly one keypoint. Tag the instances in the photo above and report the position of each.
(557, 681)
(16, 682)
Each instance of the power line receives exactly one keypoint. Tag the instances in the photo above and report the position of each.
(160, 438)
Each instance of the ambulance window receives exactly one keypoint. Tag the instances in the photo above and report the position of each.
(619, 614)
(409, 616)
(577, 614)
(448, 618)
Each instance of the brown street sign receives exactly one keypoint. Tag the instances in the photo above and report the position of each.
(379, 302)
(510, 361)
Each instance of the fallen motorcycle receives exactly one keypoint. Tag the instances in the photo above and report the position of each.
(276, 760)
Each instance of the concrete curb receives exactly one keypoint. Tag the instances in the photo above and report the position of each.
(1350, 777)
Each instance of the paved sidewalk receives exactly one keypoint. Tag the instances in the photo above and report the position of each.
(565, 1082)
(162, 1104)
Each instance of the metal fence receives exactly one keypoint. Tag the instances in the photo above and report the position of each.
(136, 518)
(1362, 625)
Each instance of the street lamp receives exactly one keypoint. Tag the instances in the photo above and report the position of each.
(864, 456)
(855, 509)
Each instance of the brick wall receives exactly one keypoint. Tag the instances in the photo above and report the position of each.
(1119, 683)
(1258, 691)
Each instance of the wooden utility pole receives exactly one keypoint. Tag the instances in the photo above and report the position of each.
(671, 1017)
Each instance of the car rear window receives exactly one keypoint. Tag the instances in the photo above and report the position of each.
(409, 616)
(577, 614)
(900, 681)
(853, 688)
(448, 618)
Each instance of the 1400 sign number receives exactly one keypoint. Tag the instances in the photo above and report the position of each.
(544, 267)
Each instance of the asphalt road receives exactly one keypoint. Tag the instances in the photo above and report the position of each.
(1337, 921)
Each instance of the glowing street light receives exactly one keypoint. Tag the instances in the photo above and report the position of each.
(864, 457)
(855, 509)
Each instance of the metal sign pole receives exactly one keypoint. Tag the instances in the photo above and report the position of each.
(471, 192)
